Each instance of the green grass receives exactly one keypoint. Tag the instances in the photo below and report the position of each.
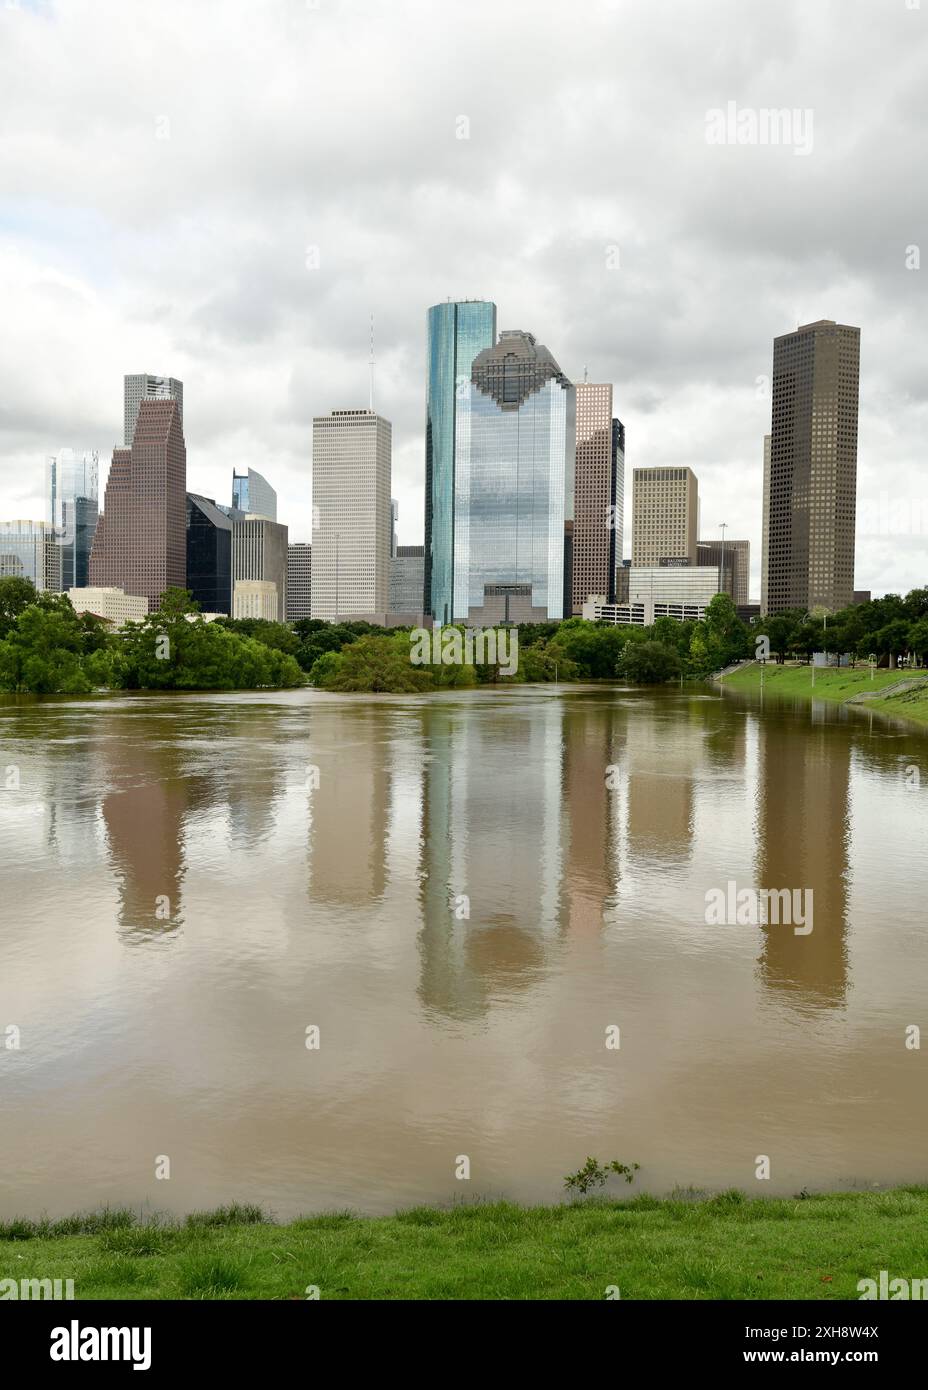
(838, 684)
(724, 1247)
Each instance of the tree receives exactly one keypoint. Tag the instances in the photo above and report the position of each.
(270, 634)
(42, 653)
(648, 663)
(374, 664)
(918, 639)
(16, 594)
(891, 640)
(593, 648)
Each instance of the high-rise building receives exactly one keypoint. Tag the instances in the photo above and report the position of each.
(618, 501)
(299, 580)
(457, 331)
(665, 511)
(143, 387)
(407, 577)
(598, 495)
(765, 530)
(259, 554)
(352, 453)
(252, 493)
(72, 503)
(813, 468)
(515, 443)
(209, 555)
(30, 550)
(140, 544)
(735, 579)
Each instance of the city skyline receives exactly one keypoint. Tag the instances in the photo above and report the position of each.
(670, 278)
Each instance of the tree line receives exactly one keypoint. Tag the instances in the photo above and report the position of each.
(47, 648)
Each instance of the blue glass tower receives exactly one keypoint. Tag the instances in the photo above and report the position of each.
(71, 486)
(514, 485)
(456, 333)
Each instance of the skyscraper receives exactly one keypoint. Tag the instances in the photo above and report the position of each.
(457, 331)
(259, 554)
(407, 579)
(72, 493)
(736, 578)
(665, 509)
(515, 444)
(598, 495)
(813, 467)
(30, 550)
(209, 555)
(352, 452)
(765, 531)
(618, 501)
(140, 543)
(299, 580)
(143, 387)
(251, 492)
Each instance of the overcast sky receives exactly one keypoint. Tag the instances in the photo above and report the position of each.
(225, 190)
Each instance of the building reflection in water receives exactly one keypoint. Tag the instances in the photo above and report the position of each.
(150, 792)
(803, 832)
(491, 846)
(663, 756)
(593, 756)
(350, 814)
(519, 819)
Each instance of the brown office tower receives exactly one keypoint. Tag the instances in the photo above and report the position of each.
(597, 525)
(813, 468)
(140, 544)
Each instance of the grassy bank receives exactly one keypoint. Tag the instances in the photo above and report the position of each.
(839, 685)
(725, 1247)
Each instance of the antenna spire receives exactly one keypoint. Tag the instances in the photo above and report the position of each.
(371, 363)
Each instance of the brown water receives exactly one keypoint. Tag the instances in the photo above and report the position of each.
(180, 903)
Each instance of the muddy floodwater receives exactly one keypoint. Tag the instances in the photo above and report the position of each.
(314, 949)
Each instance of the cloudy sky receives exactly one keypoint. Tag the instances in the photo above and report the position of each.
(226, 190)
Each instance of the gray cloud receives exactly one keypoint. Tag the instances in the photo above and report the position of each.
(291, 127)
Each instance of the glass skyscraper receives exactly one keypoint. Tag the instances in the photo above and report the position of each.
(515, 443)
(457, 332)
(209, 555)
(253, 494)
(30, 550)
(72, 493)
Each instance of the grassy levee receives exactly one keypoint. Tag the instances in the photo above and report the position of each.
(725, 1247)
(839, 684)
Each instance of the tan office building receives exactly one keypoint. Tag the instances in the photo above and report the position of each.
(665, 506)
(352, 526)
(809, 561)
